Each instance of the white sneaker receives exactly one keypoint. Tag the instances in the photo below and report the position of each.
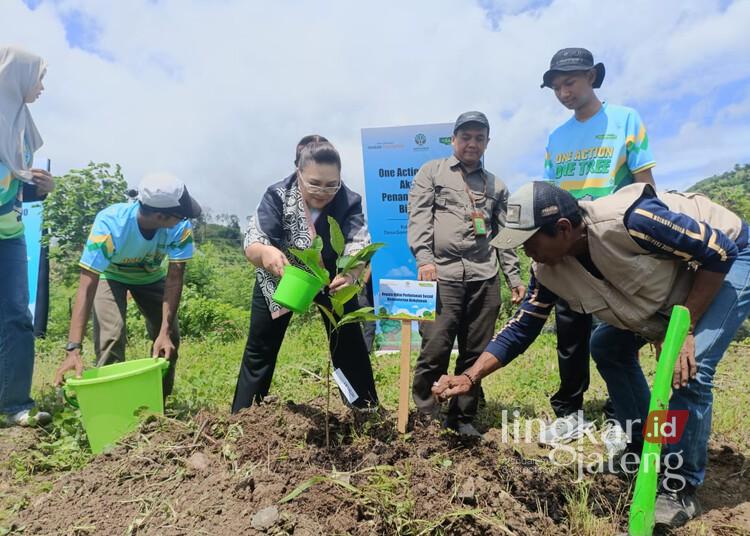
(565, 429)
(615, 439)
(28, 417)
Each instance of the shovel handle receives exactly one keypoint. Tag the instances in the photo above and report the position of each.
(644, 496)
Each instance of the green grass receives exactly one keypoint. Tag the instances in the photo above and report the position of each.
(207, 373)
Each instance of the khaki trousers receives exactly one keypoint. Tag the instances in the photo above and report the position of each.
(467, 311)
(110, 329)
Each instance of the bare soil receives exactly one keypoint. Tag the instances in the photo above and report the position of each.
(267, 471)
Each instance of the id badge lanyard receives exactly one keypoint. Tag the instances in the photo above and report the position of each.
(477, 216)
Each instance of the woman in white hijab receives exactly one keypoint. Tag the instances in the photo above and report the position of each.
(21, 75)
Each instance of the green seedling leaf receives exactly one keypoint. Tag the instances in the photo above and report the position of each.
(307, 484)
(342, 261)
(317, 244)
(299, 490)
(337, 237)
(327, 312)
(343, 297)
(338, 307)
(363, 256)
(364, 314)
(311, 259)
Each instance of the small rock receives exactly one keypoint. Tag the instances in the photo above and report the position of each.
(247, 482)
(266, 518)
(370, 460)
(467, 491)
(41, 502)
(199, 462)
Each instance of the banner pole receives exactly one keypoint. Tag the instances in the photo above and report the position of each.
(405, 374)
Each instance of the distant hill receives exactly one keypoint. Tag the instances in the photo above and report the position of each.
(731, 189)
(218, 234)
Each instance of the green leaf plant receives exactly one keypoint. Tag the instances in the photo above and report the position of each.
(353, 265)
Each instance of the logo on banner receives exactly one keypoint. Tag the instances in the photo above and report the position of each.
(445, 140)
(420, 139)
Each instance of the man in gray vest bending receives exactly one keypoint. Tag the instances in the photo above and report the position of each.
(627, 259)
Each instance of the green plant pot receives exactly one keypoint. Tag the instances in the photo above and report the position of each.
(112, 398)
(297, 289)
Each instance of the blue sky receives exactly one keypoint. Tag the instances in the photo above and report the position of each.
(219, 92)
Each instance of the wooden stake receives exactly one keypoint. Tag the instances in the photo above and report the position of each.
(405, 376)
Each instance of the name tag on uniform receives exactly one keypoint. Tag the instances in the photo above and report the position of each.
(480, 228)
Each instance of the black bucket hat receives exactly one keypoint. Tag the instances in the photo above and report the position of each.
(573, 59)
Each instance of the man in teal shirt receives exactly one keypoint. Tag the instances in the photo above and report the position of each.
(600, 149)
(128, 250)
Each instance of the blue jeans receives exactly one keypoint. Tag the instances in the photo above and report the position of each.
(615, 353)
(16, 329)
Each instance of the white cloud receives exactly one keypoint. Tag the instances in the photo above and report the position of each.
(699, 151)
(219, 92)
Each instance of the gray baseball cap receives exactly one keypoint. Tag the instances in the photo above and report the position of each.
(534, 204)
(471, 117)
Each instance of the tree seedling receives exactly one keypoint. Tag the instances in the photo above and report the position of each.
(353, 265)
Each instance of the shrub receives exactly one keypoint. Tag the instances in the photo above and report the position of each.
(202, 317)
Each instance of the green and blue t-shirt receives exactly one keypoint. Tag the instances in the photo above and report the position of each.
(117, 250)
(11, 202)
(598, 156)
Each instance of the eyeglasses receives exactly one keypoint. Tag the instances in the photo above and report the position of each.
(313, 189)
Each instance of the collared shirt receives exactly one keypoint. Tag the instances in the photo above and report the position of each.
(441, 228)
(657, 230)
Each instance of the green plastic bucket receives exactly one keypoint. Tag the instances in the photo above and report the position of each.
(297, 289)
(113, 397)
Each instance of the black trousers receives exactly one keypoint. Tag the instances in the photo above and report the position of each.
(467, 310)
(573, 346)
(262, 348)
(573, 334)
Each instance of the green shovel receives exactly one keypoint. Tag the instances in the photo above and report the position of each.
(644, 497)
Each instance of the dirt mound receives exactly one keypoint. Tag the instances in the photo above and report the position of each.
(267, 471)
